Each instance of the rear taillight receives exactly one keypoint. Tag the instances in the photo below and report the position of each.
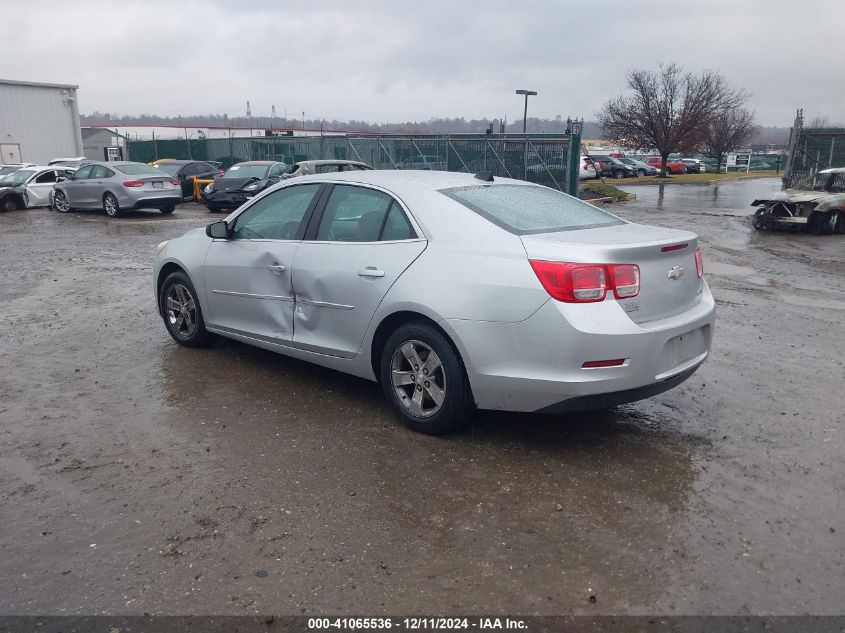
(587, 283)
(699, 264)
(625, 280)
(174, 181)
(133, 183)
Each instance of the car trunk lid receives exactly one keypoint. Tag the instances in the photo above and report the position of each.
(669, 283)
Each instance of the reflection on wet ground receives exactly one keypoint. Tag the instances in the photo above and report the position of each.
(137, 476)
(732, 197)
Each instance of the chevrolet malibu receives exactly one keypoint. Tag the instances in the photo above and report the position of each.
(453, 291)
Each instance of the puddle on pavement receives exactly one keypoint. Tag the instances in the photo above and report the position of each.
(732, 197)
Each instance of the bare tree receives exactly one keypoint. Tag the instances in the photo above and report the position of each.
(729, 129)
(668, 110)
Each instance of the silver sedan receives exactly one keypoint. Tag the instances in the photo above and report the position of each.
(117, 186)
(454, 292)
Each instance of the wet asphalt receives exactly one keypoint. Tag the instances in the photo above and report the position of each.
(140, 477)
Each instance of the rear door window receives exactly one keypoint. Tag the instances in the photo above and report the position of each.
(47, 176)
(353, 214)
(526, 209)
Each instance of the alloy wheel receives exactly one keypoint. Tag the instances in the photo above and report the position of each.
(61, 202)
(181, 310)
(110, 204)
(418, 379)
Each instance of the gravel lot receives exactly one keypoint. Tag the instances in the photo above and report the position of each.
(137, 476)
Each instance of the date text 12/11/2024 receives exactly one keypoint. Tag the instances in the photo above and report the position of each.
(416, 624)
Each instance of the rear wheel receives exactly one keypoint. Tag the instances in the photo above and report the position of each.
(168, 209)
(110, 205)
(422, 375)
(61, 202)
(181, 311)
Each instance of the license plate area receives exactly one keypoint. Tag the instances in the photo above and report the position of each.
(158, 185)
(681, 349)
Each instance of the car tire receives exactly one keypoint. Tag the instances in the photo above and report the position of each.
(413, 381)
(760, 220)
(181, 312)
(110, 205)
(641, 172)
(619, 175)
(61, 202)
(168, 209)
(10, 203)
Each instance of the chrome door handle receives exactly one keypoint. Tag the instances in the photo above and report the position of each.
(276, 268)
(371, 271)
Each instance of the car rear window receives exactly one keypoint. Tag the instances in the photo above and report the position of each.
(138, 170)
(524, 209)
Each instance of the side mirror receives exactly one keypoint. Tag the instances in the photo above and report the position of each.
(218, 230)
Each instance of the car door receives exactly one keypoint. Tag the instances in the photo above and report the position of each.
(362, 243)
(39, 187)
(98, 184)
(247, 277)
(76, 187)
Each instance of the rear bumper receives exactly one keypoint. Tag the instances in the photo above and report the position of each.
(536, 364)
(150, 200)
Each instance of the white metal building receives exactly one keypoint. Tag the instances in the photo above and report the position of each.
(38, 122)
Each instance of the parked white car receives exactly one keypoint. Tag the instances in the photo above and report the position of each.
(31, 186)
(587, 170)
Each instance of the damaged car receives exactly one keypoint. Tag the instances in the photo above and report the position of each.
(241, 182)
(816, 204)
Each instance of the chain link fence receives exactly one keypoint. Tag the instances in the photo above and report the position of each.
(548, 159)
(811, 150)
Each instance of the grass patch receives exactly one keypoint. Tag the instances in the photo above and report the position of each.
(604, 190)
(706, 177)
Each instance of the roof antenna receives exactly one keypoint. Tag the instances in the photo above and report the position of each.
(485, 175)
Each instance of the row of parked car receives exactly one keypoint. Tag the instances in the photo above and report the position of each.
(79, 183)
(618, 166)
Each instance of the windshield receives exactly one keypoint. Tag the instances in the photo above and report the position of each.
(169, 168)
(244, 170)
(524, 209)
(138, 169)
(8, 170)
(18, 177)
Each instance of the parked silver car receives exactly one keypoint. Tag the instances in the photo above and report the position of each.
(308, 167)
(453, 292)
(30, 186)
(117, 186)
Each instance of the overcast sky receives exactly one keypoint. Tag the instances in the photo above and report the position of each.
(402, 60)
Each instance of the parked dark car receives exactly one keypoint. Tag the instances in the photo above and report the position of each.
(614, 167)
(186, 170)
(241, 182)
(643, 169)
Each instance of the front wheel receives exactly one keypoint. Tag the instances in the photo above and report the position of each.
(61, 202)
(618, 175)
(10, 204)
(760, 220)
(423, 377)
(641, 172)
(110, 205)
(181, 311)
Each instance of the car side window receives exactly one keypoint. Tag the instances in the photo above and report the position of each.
(275, 171)
(276, 216)
(83, 173)
(353, 214)
(396, 226)
(327, 169)
(47, 176)
(101, 172)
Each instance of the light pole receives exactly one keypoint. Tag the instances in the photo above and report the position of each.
(527, 93)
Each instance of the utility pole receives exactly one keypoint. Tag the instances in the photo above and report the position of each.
(249, 117)
(527, 93)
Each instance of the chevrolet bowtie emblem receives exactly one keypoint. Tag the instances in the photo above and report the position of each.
(675, 273)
